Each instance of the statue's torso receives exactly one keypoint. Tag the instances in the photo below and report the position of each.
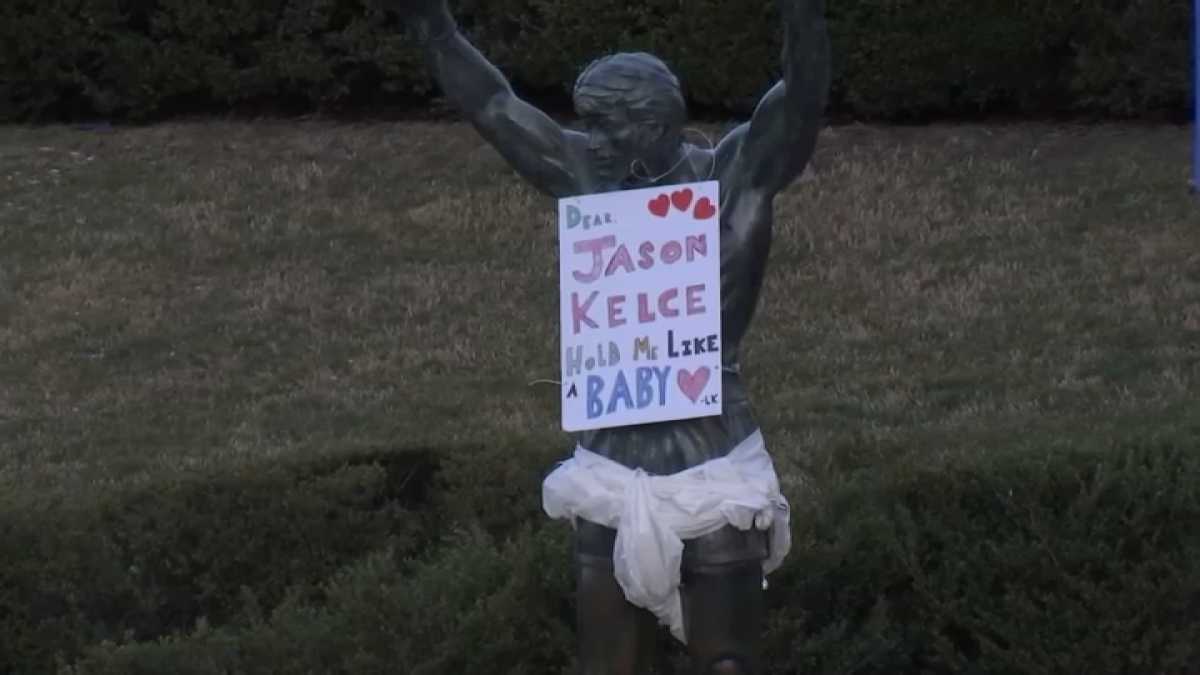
(669, 447)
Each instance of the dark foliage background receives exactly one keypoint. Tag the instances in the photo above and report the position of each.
(894, 59)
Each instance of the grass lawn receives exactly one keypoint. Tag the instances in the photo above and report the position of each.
(194, 296)
(195, 299)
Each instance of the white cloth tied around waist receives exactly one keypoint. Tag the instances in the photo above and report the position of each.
(653, 514)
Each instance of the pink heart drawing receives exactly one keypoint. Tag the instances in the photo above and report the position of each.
(682, 199)
(693, 384)
(660, 205)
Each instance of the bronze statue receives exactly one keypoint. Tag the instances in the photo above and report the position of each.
(634, 115)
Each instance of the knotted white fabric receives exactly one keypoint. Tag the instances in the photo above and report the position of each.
(654, 514)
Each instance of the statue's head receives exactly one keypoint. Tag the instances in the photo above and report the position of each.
(633, 110)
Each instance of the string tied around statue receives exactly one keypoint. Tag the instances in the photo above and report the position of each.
(684, 157)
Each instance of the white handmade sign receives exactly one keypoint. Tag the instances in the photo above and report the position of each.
(640, 278)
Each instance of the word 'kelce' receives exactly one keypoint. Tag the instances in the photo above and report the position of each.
(650, 307)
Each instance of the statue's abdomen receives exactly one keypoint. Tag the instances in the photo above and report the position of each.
(669, 447)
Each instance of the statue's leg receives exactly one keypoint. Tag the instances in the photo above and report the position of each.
(615, 636)
(723, 602)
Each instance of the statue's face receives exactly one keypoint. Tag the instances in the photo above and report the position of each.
(615, 141)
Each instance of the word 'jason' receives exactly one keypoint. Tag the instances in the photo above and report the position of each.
(670, 253)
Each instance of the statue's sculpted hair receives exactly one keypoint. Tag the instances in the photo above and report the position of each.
(640, 82)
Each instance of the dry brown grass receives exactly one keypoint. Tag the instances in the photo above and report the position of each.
(187, 296)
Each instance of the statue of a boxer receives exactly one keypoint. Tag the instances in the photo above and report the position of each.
(634, 115)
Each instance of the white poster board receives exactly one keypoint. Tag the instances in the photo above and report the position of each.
(640, 306)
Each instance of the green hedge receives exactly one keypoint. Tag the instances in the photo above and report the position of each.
(204, 549)
(226, 549)
(478, 607)
(138, 58)
(1051, 560)
(1039, 560)
(900, 59)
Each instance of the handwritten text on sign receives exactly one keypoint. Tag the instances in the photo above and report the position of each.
(640, 282)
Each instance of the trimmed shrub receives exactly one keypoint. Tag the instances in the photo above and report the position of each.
(205, 549)
(905, 59)
(1048, 560)
(700, 41)
(912, 59)
(477, 607)
(1133, 56)
(139, 58)
(1041, 560)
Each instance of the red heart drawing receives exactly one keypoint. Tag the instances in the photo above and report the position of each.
(693, 384)
(682, 199)
(704, 209)
(660, 205)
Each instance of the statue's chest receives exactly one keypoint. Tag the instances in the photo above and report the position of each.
(744, 211)
(745, 229)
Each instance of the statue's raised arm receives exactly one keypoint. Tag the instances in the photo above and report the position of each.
(535, 145)
(771, 151)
